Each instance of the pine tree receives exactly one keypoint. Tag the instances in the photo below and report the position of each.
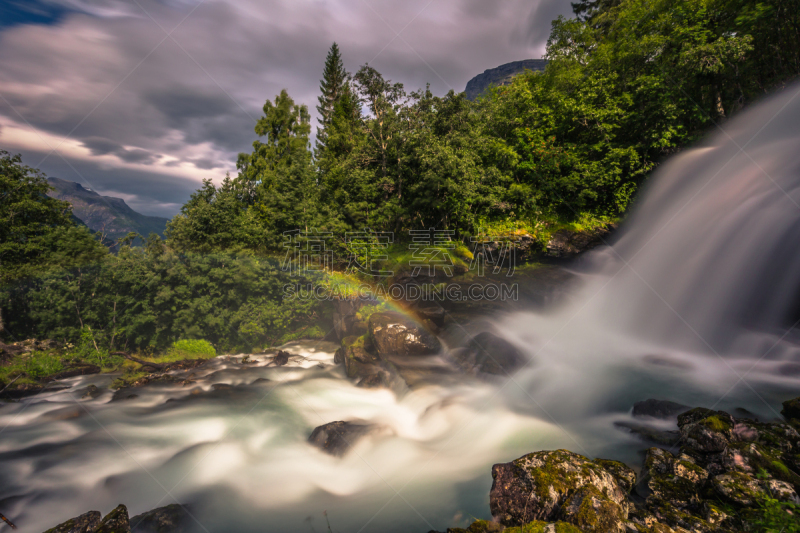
(332, 85)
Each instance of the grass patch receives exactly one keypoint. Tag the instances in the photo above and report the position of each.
(28, 368)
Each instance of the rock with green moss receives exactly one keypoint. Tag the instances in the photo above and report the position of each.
(593, 512)
(624, 474)
(85, 523)
(115, 522)
(738, 488)
(676, 481)
(706, 431)
(397, 334)
(358, 357)
(535, 486)
(791, 409)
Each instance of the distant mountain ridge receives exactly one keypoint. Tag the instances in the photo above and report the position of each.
(501, 75)
(106, 214)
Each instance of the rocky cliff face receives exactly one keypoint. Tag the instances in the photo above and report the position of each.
(501, 75)
(106, 214)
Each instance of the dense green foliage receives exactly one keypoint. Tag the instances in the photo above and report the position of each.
(145, 299)
(628, 83)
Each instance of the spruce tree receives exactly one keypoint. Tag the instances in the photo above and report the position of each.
(332, 85)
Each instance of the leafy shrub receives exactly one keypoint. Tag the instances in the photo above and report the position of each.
(191, 349)
(89, 351)
(776, 516)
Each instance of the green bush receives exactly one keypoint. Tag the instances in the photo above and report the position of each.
(89, 351)
(191, 349)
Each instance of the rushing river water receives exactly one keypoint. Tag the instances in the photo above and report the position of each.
(693, 303)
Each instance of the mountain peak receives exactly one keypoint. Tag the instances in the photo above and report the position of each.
(501, 75)
(109, 215)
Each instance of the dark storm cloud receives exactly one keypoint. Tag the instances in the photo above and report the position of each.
(101, 146)
(150, 193)
(104, 77)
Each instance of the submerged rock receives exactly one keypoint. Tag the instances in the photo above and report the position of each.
(170, 519)
(397, 334)
(336, 438)
(651, 434)
(663, 409)
(486, 353)
(90, 393)
(85, 523)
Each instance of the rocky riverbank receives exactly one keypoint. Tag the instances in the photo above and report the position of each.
(724, 474)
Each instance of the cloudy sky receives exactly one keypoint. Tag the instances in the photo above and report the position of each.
(142, 99)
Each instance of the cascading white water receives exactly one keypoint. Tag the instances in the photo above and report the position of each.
(693, 303)
(712, 251)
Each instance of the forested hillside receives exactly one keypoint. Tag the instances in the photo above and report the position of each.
(627, 84)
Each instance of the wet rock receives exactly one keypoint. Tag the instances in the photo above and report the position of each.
(566, 243)
(90, 393)
(336, 438)
(706, 431)
(77, 370)
(170, 519)
(739, 488)
(593, 512)
(115, 522)
(281, 358)
(791, 409)
(535, 486)
(486, 353)
(663, 409)
(651, 434)
(260, 381)
(398, 334)
(85, 523)
(358, 362)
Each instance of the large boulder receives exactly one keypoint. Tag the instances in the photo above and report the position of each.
(566, 243)
(345, 316)
(486, 353)
(535, 486)
(397, 334)
(170, 519)
(85, 523)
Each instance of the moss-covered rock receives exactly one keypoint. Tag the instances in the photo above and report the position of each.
(85, 523)
(676, 481)
(593, 512)
(535, 486)
(624, 474)
(115, 522)
(706, 431)
(738, 488)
